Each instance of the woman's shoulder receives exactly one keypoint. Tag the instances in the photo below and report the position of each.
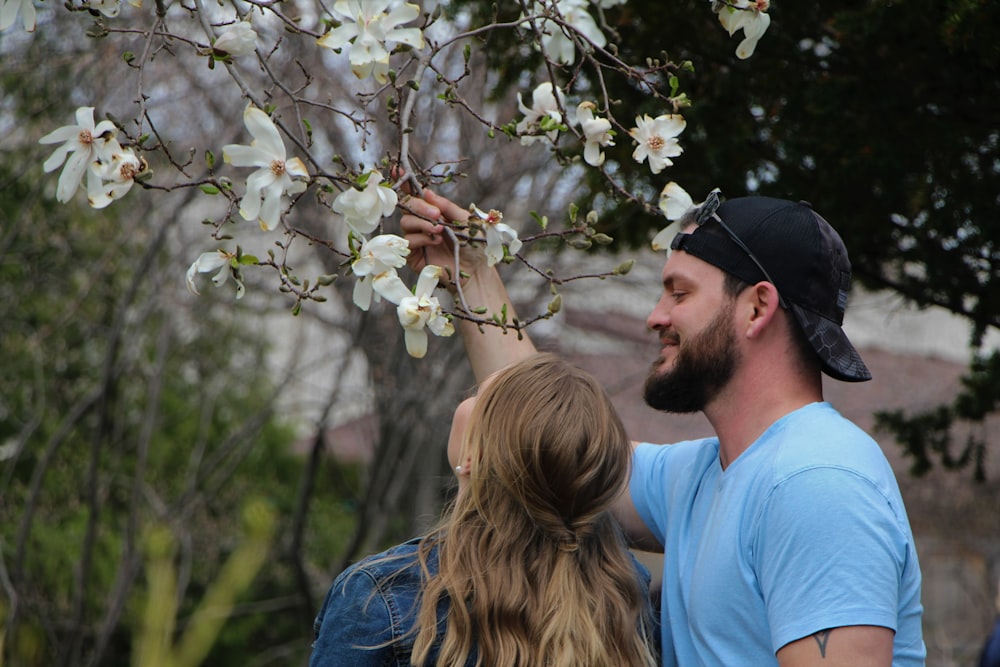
(392, 562)
(369, 610)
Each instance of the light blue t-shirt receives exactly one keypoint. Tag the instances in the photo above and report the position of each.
(804, 531)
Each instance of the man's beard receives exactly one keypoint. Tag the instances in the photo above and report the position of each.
(704, 364)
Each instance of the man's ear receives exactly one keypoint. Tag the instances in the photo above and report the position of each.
(763, 306)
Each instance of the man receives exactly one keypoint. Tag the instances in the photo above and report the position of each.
(785, 539)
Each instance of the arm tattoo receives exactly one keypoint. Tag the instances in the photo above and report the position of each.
(822, 637)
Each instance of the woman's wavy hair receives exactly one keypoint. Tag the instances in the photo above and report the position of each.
(532, 566)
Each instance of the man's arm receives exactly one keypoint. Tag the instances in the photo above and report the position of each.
(850, 646)
(636, 531)
(830, 550)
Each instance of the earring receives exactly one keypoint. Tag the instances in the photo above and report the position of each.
(458, 469)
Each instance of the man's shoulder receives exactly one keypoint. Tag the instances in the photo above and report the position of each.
(823, 416)
(818, 438)
(819, 427)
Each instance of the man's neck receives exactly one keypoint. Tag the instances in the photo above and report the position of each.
(752, 402)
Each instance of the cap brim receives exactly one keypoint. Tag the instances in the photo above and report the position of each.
(839, 358)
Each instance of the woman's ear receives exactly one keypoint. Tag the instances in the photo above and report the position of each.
(464, 469)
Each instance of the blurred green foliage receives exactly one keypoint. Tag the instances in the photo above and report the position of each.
(123, 407)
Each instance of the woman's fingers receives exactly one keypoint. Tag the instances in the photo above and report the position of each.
(449, 209)
(427, 238)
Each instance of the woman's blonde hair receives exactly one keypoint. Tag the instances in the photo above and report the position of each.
(532, 566)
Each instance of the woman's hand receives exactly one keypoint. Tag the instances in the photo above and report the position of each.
(430, 240)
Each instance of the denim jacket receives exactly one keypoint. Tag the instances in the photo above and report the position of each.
(366, 618)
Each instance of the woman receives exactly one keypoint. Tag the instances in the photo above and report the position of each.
(527, 567)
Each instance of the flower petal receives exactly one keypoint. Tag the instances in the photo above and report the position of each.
(64, 133)
(592, 154)
(663, 238)
(296, 168)
(265, 134)
(72, 174)
(416, 342)
(427, 282)
(363, 293)
(674, 201)
(58, 157)
(256, 182)
(270, 212)
(409, 36)
(391, 287)
(339, 36)
(441, 326)
(239, 155)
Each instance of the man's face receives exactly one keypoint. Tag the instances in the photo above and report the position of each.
(704, 364)
(705, 357)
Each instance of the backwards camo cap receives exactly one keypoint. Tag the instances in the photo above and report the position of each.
(790, 245)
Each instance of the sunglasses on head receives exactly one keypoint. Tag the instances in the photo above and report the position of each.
(706, 212)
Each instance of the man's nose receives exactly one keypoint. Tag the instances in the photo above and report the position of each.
(659, 318)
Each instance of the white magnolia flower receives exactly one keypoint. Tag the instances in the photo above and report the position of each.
(273, 177)
(596, 133)
(362, 209)
(748, 15)
(416, 310)
(544, 112)
(109, 8)
(116, 176)
(220, 261)
(556, 43)
(674, 203)
(370, 26)
(383, 254)
(498, 234)
(657, 139)
(85, 145)
(9, 10)
(239, 39)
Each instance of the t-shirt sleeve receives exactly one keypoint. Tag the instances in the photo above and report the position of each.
(354, 625)
(647, 487)
(829, 552)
